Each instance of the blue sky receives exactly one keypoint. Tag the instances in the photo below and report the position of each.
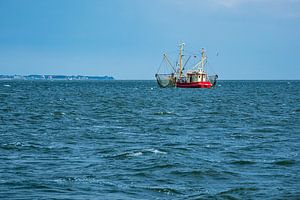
(255, 39)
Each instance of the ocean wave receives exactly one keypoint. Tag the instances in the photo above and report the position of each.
(137, 153)
(155, 151)
(164, 113)
(243, 162)
(238, 190)
(165, 190)
(287, 162)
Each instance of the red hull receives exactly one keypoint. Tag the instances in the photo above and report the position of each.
(206, 84)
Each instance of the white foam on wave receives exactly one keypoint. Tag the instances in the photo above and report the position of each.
(6, 85)
(143, 152)
(156, 151)
(107, 127)
(135, 154)
(165, 113)
(16, 144)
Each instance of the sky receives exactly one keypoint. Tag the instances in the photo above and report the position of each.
(244, 39)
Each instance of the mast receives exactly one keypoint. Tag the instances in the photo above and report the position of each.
(203, 58)
(180, 59)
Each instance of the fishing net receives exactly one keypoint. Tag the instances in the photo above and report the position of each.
(213, 79)
(165, 80)
(165, 76)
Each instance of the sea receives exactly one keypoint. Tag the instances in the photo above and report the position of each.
(133, 140)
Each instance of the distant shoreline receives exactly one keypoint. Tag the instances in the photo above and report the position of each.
(54, 77)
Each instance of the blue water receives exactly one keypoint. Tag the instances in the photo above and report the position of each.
(133, 140)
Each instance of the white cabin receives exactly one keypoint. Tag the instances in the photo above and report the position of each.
(196, 76)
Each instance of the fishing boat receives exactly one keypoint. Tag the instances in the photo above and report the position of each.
(182, 76)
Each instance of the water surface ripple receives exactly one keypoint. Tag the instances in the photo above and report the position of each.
(133, 140)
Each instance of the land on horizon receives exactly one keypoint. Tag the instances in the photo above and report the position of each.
(54, 77)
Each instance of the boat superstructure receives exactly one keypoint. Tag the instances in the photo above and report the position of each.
(195, 77)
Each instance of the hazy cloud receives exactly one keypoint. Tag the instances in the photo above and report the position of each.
(277, 8)
(237, 3)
